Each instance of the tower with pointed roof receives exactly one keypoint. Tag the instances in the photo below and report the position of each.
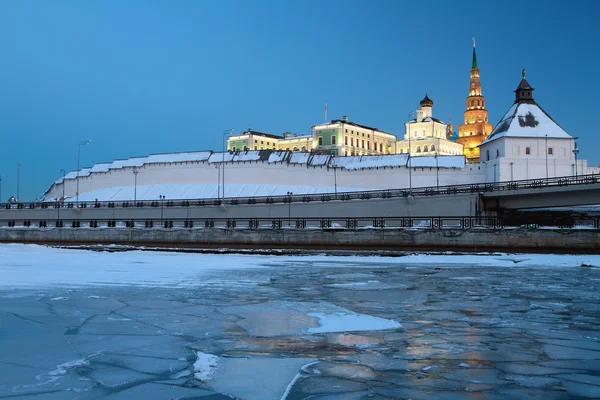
(528, 144)
(475, 128)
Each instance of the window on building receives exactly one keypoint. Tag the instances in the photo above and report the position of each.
(303, 149)
(550, 151)
(346, 139)
(487, 153)
(346, 130)
(497, 153)
(433, 147)
(320, 140)
(381, 147)
(332, 139)
(245, 148)
(295, 149)
(368, 145)
(527, 150)
(233, 148)
(363, 144)
(287, 149)
(418, 149)
(472, 103)
(255, 148)
(346, 153)
(425, 149)
(351, 141)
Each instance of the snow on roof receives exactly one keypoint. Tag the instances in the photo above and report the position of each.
(527, 120)
(70, 175)
(341, 162)
(299, 158)
(220, 157)
(85, 172)
(135, 162)
(102, 167)
(278, 156)
(319, 159)
(392, 160)
(178, 157)
(440, 161)
(248, 155)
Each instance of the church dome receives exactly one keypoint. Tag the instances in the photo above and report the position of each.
(426, 102)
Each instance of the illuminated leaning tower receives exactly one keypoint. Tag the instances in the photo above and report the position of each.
(476, 127)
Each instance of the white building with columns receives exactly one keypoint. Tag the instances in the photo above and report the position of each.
(528, 144)
(426, 135)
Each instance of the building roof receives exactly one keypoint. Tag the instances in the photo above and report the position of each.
(474, 62)
(527, 120)
(340, 121)
(426, 102)
(269, 135)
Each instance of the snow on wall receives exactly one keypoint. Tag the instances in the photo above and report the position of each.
(394, 160)
(220, 157)
(178, 157)
(440, 161)
(278, 156)
(201, 191)
(103, 167)
(299, 158)
(248, 155)
(319, 159)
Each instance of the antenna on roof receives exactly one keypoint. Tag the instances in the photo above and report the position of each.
(326, 112)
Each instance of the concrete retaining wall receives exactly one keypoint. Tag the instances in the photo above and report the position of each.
(477, 239)
(462, 205)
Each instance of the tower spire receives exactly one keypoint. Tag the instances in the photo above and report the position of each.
(474, 63)
(475, 128)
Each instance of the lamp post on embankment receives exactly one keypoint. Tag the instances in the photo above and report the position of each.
(84, 143)
(162, 205)
(289, 194)
(410, 114)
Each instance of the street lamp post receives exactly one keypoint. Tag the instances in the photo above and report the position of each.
(61, 202)
(135, 172)
(546, 159)
(334, 166)
(290, 208)
(63, 173)
(437, 165)
(575, 152)
(225, 134)
(410, 114)
(84, 143)
(18, 183)
(162, 205)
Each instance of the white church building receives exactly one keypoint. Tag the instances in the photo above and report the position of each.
(528, 144)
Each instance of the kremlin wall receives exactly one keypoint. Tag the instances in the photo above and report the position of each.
(344, 156)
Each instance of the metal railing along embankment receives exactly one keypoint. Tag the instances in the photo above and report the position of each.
(325, 197)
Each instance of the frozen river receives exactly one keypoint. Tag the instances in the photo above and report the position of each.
(77, 324)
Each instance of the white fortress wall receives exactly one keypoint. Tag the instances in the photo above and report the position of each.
(366, 172)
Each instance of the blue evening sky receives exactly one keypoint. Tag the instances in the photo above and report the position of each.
(143, 77)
